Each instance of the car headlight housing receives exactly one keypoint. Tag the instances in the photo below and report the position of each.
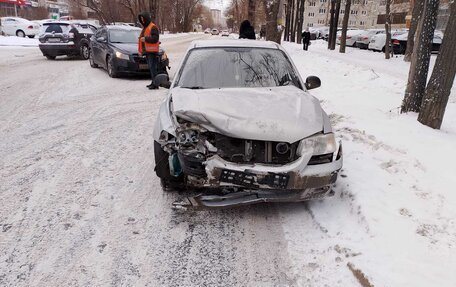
(319, 144)
(122, 56)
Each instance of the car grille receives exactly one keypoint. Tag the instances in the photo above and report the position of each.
(253, 151)
(139, 59)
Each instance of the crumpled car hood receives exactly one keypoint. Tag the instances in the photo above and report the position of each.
(284, 114)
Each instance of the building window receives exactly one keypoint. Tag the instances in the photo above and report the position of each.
(364, 12)
(342, 11)
(322, 11)
(311, 14)
(362, 23)
(310, 24)
(312, 4)
(354, 12)
(323, 1)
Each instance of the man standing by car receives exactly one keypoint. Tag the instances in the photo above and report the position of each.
(305, 39)
(149, 45)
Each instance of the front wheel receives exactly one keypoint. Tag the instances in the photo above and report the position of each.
(49, 57)
(111, 69)
(167, 181)
(91, 61)
(84, 51)
(31, 36)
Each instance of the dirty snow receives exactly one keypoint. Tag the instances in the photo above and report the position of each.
(18, 41)
(81, 206)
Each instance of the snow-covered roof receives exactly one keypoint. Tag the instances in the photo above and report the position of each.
(122, 27)
(234, 43)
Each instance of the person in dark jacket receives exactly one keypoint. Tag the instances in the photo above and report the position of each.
(246, 31)
(305, 39)
(149, 45)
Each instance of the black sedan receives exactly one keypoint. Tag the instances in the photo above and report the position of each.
(115, 48)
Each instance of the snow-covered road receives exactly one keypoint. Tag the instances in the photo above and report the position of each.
(80, 204)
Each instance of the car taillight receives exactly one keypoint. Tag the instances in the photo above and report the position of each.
(30, 27)
(396, 42)
(348, 37)
(365, 38)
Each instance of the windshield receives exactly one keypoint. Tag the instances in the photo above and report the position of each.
(124, 36)
(237, 67)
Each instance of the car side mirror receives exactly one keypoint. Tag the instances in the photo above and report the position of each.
(312, 82)
(162, 80)
(101, 39)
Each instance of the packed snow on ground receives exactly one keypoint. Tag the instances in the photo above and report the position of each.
(393, 217)
(18, 41)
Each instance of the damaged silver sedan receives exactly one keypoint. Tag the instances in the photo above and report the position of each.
(240, 125)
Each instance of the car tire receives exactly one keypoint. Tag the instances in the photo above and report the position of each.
(167, 181)
(84, 51)
(20, 33)
(110, 67)
(49, 57)
(91, 61)
(31, 36)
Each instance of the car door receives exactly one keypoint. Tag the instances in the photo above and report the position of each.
(9, 26)
(103, 47)
(96, 46)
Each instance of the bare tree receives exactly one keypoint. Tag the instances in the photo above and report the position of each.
(293, 21)
(416, 16)
(300, 20)
(388, 29)
(271, 7)
(287, 20)
(251, 12)
(439, 87)
(332, 24)
(343, 37)
(335, 23)
(419, 65)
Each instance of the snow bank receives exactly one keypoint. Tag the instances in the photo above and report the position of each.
(168, 36)
(18, 41)
(393, 216)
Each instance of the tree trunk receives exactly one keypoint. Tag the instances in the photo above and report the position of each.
(416, 16)
(293, 21)
(419, 66)
(251, 12)
(296, 27)
(442, 78)
(300, 19)
(287, 21)
(343, 39)
(388, 45)
(331, 22)
(336, 23)
(271, 7)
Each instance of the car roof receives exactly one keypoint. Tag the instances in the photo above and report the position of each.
(122, 27)
(242, 43)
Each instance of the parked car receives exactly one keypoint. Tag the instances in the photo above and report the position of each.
(225, 33)
(15, 26)
(318, 32)
(377, 42)
(65, 39)
(260, 138)
(207, 31)
(400, 42)
(352, 37)
(364, 38)
(215, 31)
(115, 48)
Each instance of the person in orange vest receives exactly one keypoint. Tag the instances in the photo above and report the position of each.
(149, 45)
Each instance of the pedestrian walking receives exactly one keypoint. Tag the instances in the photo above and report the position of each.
(246, 31)
(149, 45)
(305, 39)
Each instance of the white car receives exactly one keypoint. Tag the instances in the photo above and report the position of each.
(235, 122)
(15, 26)
(377, 42)
(352, 37)
(215, 31)
(364, 38)
(225, 33)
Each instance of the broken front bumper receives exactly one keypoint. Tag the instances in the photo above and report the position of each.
(292, 182)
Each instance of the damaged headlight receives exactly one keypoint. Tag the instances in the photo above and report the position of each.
(319, 144)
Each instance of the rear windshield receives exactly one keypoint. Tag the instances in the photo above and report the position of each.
(237, 67)
(124, 36)
(56, 28)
